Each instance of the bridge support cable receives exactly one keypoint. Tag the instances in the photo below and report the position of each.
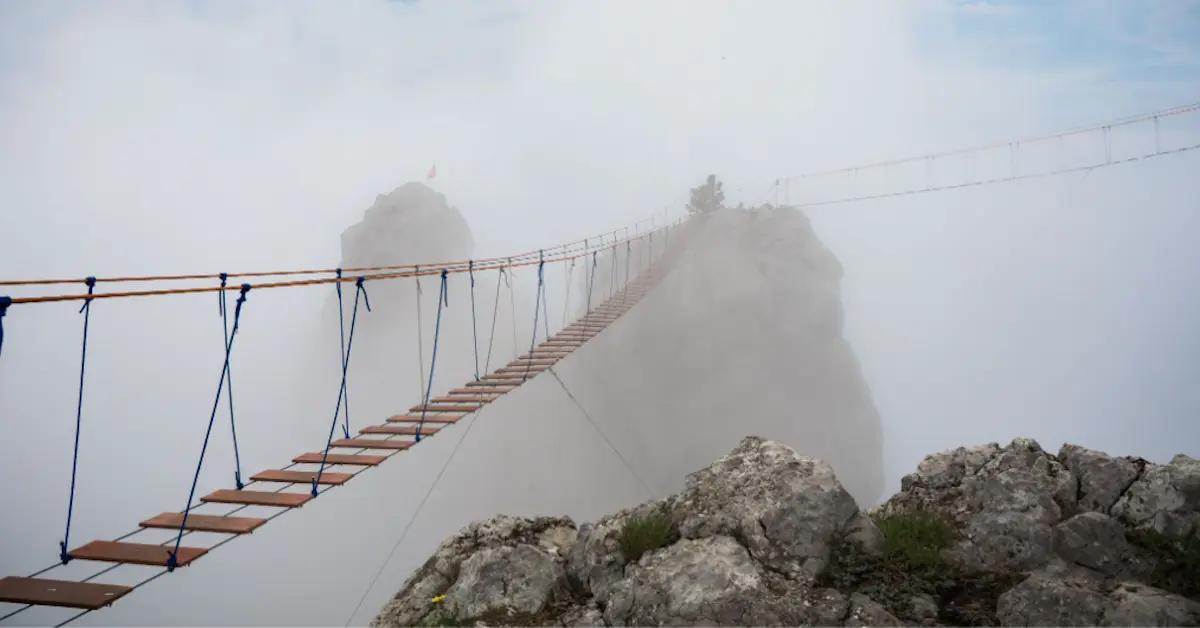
(568, 275)
(237, 457)
(342, 348)
(420, 337)
(359, 291)
(173, 558)
(443, 300)
(512, 309)
(474, 328)
(536, 309)
(649, 491)
(64, 554)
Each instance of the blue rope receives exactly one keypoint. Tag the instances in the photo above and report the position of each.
(437, 327)
(474, 332)
(628, 254)
(342, 346)
(591, 282)
(86, 310)
(536, 310)
(359, 289)
(487, 362)
(5, 302)
(237, 458)
(172, 560)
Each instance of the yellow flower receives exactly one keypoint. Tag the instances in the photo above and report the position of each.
(439, 598)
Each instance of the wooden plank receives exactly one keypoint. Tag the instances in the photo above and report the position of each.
(402, 430)
(257, 498)
(332, 458)
(522, 369)
(301, 477)
(512, 382)
(469, 397)
(204, 523)
(62, 593)
(533, 361)
(372, 443)
(500, 388)
(429, 418)
(462, 406)
(136, 553)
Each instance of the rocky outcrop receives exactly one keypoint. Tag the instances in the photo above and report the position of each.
(989, 535)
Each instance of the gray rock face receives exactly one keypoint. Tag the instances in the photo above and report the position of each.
(1165, 498)
(1006, 498)
(787, 509)
(1092, 540)
(497, 565)
(753, 534)
(1102, 478)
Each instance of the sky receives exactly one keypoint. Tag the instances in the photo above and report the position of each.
(152, 136)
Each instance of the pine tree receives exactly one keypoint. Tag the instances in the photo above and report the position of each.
(708, 197)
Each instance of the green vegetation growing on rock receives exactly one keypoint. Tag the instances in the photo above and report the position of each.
(643, 534)
(1176, 560)
(911, 564)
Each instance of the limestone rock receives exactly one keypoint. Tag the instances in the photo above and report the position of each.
(499, 564)
(698, 581)
(1092, 540)
(1102, 478)
(787, 509)
(1139, 605)
(1007, 500)
(866, 612)
(752, 534)
(1041, 601)
(1165, 498)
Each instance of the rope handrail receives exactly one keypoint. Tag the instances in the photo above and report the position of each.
(294, 272)
(1145, 117)
(424, 271)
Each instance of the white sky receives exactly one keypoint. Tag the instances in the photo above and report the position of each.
(164, 136)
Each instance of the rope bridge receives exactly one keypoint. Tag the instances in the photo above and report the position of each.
(342, 458)
(344, 455)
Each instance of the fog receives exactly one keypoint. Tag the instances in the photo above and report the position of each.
(186, 137)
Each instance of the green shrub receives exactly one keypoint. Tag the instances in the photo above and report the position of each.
(910, 563)
(643, 534)
(916, 538)
(1176, 561)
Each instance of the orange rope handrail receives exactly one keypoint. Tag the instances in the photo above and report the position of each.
(314, 271)
(425, 270)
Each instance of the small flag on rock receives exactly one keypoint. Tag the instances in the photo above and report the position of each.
(432, 172)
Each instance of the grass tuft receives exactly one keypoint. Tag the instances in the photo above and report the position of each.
(643, 534)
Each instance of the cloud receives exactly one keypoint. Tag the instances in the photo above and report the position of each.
(142, 137)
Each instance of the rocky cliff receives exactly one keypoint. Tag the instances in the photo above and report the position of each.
(988, 535)
(743, 336)
(411, 224)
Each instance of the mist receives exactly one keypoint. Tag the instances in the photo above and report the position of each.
(184, 137)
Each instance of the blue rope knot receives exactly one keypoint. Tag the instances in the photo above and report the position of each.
(443, 300)
(91, 284)
(359, 287)
(5, 302)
